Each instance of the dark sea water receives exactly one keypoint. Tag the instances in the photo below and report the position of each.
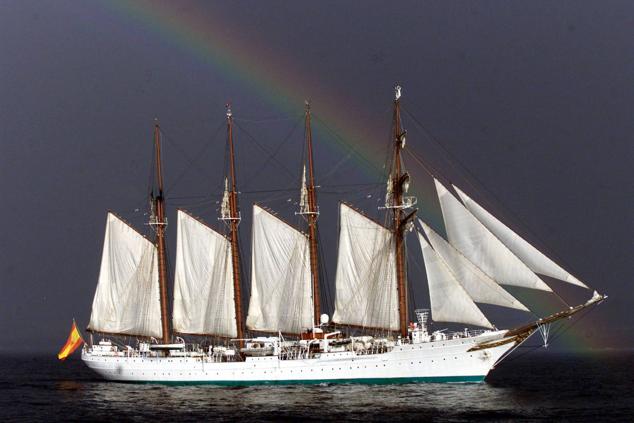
(542, 386)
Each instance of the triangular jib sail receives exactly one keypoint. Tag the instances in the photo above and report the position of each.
(203, 284)
(481, 247)
(281, 291)
(531, 256)
(367, 293)
(480, 287)
(449, 300)
(127, 296)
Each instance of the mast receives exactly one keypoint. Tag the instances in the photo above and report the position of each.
(234, 219)
(312, 215)
(159, 223)
(398, 183)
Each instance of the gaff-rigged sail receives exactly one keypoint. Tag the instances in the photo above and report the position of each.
(127, 297)
(366, 284)
(281, 291)
(449, 301)
(531, 256)
(203, 284)
(481, 247)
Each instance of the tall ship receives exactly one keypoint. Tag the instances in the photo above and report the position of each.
(282, 334)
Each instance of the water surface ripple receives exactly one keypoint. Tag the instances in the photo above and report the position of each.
(543, 386)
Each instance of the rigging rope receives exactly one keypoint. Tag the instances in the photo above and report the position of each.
(198, 156)
(179, 149)
(559, 332)
(471, 177)
(267, 120)
(271, 155)
(429, 169)
(342, 143)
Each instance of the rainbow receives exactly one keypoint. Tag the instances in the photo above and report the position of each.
(275, 80)
(278, 82)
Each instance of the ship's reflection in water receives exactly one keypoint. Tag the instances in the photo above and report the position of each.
(325, 401)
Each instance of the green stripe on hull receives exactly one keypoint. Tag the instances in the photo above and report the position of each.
(370, 381)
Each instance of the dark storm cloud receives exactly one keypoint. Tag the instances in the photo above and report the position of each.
(533, 98)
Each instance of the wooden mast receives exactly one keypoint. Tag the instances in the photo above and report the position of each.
(159, 223)
(234, 220)
(398, 224)
(312, 213)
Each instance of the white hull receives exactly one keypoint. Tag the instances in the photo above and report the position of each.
(439, 361)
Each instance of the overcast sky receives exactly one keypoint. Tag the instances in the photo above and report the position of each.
(526, 105)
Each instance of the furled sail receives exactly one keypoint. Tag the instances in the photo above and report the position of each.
(450, 302)
(225, 209)
(127, 297)
(304, 206)
(366, 283)
(481, 247)
(281, 290)
(480, 287)
(531, 256)
(204, 302)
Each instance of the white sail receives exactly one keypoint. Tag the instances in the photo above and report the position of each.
(281, 290)
(531, 256)
(449, 300)
(481, 247)
(366, 283)
(127, 297)
(480, 287)
(204, 301)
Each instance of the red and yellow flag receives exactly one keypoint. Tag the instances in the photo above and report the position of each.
(73, 342)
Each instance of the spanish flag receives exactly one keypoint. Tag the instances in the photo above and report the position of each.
(73, 342)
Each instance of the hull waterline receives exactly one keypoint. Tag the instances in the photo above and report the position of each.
(442, 361)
